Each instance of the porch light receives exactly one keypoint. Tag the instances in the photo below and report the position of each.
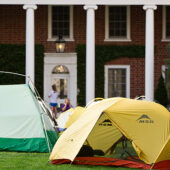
(60, 44)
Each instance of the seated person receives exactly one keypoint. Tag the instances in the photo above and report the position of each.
(87, 151)
(67, 105)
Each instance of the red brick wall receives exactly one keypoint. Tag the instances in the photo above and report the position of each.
(137, 74)
(12, 31)
(12, 25)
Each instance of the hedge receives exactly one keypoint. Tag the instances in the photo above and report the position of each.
(161, 92)
(103, 53)
(12, 59)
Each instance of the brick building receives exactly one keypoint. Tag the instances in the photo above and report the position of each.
(135, 23)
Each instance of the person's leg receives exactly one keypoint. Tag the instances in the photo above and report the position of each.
(55, 111)
(51, 108)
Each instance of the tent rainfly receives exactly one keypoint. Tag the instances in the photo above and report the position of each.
(24, 121)
(146, 124)
(69, 117)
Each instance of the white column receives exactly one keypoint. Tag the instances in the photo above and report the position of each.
(90, 52)
(30, 41)
(149, 52)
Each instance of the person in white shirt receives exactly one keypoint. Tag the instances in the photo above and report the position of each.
(53, 95)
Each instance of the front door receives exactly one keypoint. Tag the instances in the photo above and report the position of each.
(62, 83)
(61, 68)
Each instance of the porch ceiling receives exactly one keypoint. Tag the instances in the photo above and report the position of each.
(89, 2)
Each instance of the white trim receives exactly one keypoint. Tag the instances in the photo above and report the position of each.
(127, 67)
(30, 6)
(49, 23)
(117, 40)
(50, 38)
(128, 23)
(71, 23)
(164, 23)
(127, 38)
(86, 7)
(51, 60)
(164, 38)
(90, 2)
(153, 7)
(106, 23)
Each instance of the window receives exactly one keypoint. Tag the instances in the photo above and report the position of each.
(62, 87)
(117, 81)
(60, 22)
(117, 23)
(60, 69)
(166, 23)
(60, 77)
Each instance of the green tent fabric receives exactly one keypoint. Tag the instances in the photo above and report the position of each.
(24, 123)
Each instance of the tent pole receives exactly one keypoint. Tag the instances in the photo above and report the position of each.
(38, 97)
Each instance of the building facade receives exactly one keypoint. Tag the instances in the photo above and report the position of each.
(107, 23)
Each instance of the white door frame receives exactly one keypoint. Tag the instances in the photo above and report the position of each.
(69, 60)
(127, 67)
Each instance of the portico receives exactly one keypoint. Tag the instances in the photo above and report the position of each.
(91, 6)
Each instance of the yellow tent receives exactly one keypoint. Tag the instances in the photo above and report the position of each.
(102, 130)
(77, 112)
(70, 116)
(146, 124)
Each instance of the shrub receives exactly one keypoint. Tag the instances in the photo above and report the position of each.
(12, 59)
(161, 92)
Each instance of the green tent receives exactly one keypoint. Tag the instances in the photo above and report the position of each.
(25, 124)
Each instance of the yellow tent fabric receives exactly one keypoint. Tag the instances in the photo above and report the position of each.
(72, 139)
(70, 116)
(146, 124)
(104, 135)
(164, 152)
(77, 112)
(102, 129)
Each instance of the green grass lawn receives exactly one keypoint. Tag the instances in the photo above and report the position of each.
(39, 161)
